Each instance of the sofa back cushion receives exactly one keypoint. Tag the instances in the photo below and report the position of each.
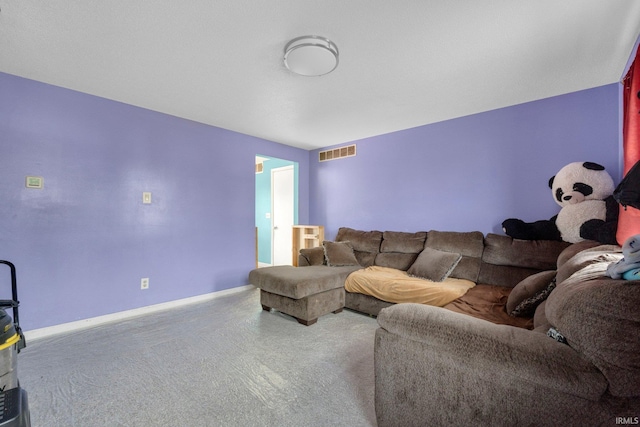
(468, 244)
(600, 319)
(366, 244)
(399, 249)
(507, 261)
(567, 266)
(572, 250)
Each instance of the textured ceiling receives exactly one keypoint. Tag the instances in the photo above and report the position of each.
(402, 64)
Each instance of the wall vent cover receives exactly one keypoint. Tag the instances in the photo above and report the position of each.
(337, 153)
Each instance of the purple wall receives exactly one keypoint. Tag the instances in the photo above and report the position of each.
(469, 173)
(82, 244)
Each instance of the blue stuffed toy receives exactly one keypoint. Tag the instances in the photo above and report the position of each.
(633, 274)
(627, 268)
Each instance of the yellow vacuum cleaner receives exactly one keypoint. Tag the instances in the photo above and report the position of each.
(14, 408)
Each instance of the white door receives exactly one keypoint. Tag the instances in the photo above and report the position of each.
(282, 216)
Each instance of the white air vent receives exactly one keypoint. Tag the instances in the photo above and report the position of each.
(337, 153)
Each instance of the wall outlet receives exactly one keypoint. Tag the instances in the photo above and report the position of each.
(144, 283)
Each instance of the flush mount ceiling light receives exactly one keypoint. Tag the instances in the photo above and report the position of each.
(311, 56)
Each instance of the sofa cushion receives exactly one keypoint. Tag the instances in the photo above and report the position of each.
(406, 243)
(507, 261)
(366, 244)
(599, 317)
(535, 254)
(571, 250)
(364, 241)
(529, 288)
(593, 255)
(433, 264)
(396, 260)
(468, 244)
(400, 249)
(339, 254)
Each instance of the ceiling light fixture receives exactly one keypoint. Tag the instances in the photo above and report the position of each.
(311, 56)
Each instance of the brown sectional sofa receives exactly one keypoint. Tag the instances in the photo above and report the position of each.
(473, 364)
(494, 261)
(497, 263)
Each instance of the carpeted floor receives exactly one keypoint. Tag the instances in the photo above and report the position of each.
(223, 362)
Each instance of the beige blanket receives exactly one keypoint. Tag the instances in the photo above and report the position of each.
(389, 284)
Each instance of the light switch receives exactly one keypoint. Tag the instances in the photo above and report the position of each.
(146, 197)
(267, 215)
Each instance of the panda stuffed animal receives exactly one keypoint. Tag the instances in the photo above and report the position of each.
(584, 191)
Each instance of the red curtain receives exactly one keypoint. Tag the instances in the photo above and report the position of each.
(629, 220)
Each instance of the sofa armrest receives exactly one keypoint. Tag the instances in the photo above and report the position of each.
(311, 256)
(530, 356)
(437, 367)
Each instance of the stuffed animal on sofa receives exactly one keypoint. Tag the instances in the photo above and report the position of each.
(584, 191)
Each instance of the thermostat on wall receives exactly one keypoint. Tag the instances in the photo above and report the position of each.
(34, 182)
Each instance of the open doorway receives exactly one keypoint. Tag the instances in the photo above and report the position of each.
(276, 209)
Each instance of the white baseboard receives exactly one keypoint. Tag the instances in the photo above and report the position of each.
(263, 264)
(95, 321)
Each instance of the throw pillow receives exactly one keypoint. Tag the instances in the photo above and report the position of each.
(528, 287)
(339, 253)
(433, 264)
(528, 307)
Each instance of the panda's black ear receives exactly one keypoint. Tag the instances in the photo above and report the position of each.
(551, 181)
(593, 166)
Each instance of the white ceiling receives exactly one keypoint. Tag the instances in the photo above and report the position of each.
(402, 63)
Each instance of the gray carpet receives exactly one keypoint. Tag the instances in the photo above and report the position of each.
(223, 362)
